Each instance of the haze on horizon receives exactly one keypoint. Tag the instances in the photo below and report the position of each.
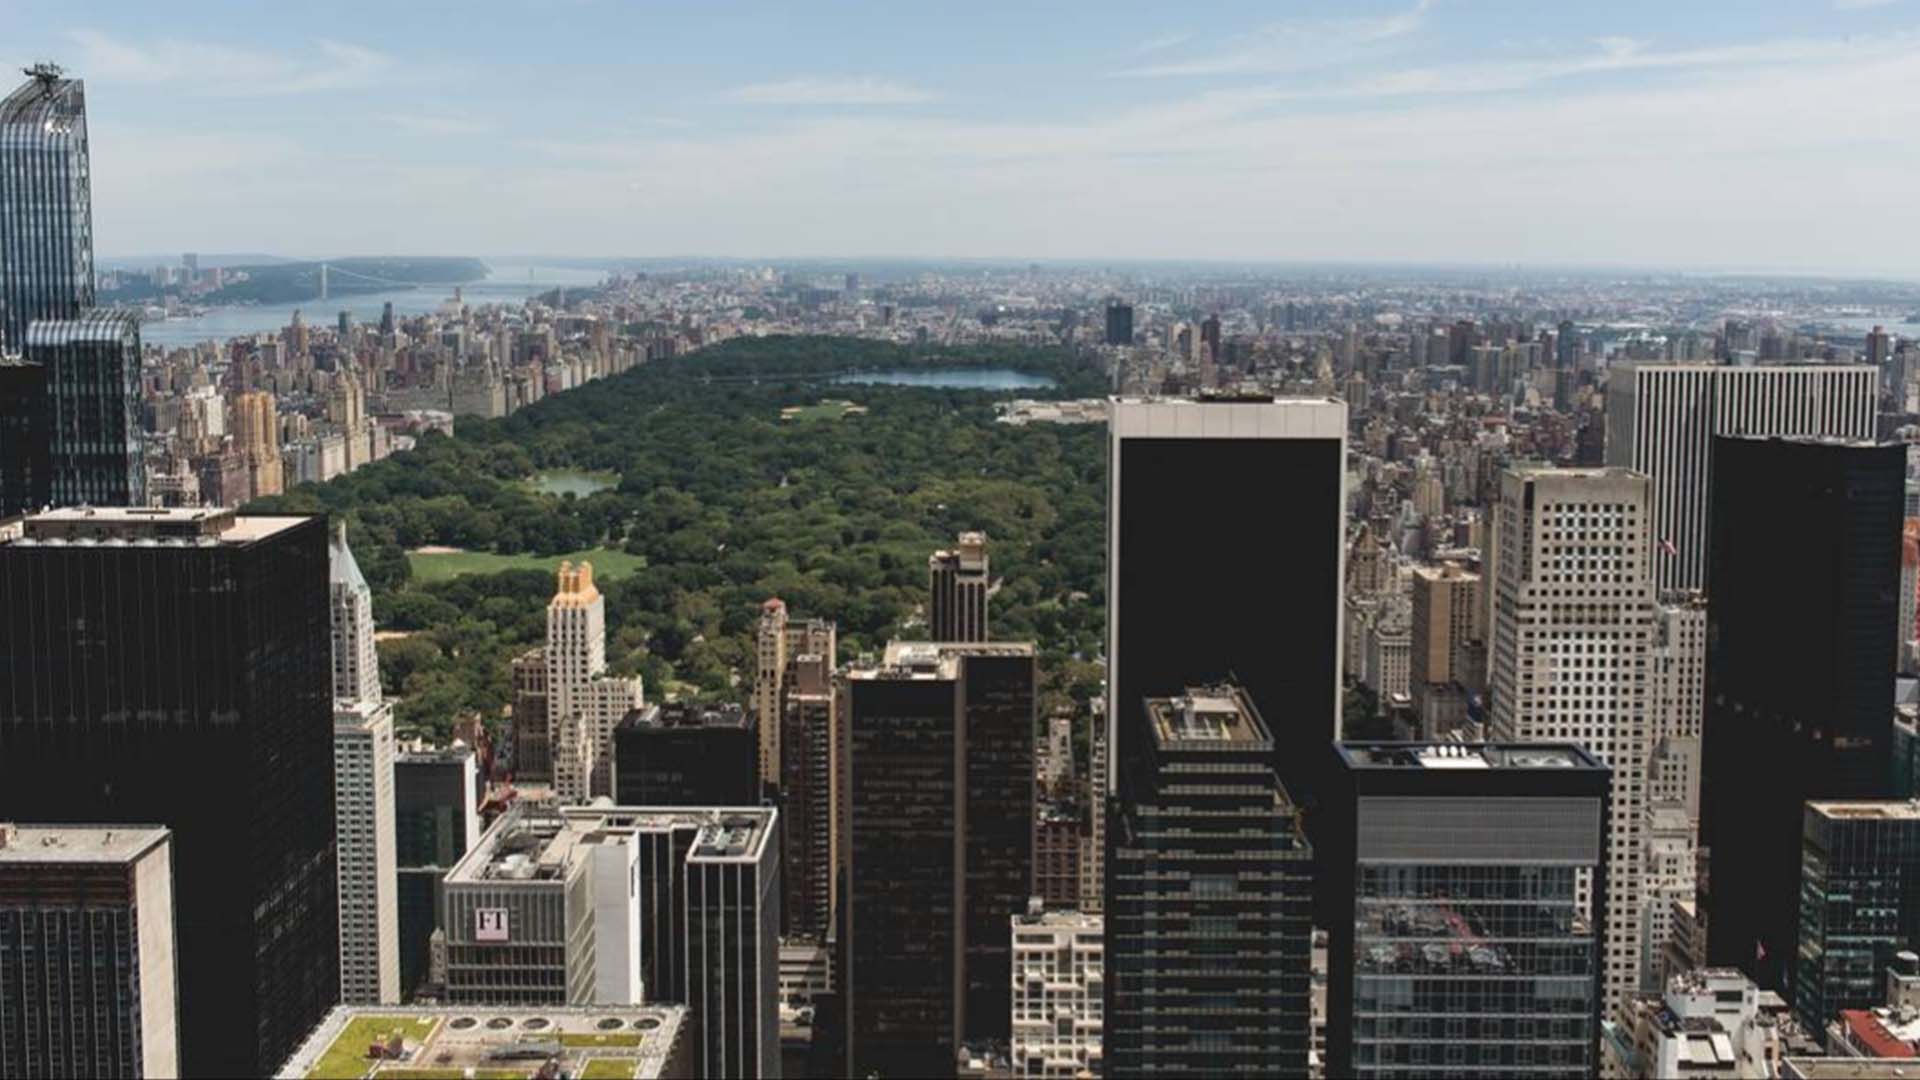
(1715, 136)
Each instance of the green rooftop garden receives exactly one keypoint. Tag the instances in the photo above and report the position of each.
(347, 1058)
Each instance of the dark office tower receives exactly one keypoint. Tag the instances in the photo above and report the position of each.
(345, 326)
(1210, 335)
(436, 820)
(1459, 947)
(1210, 906)
(172, 666)
(1880, 349)
(939, 750)
(46, 204)
(1859, 904)
(1802, 573)
(92, 366)
(957, 590)
(809, 789)
(1566, 346)
(686, 755)
(26, 474)
(87, 952)
(733, 942)
(1210, 574)
(1119, 323)
(386, 319)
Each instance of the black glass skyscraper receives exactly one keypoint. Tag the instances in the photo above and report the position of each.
(686, 755)
(436, 818)
(1458, 945)
(1802, 581)
(1225, 525)
(1210, 907)
(1859, 904)
(46, 204)
(173, 667)
(1119, 323)
(937, 829)
(92, 366)
(80, 443)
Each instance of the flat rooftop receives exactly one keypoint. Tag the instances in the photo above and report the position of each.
(22, 845)
(198, 526)
(683, 715)
(1874, 809)
(1456, 755)
(532, 845)
(489, 1043)
(1206, 715)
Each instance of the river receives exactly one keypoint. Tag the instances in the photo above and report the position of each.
(503, 285)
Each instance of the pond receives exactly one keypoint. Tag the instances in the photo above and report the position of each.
(951, 379)
(577, 484)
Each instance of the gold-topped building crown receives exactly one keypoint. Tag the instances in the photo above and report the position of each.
(575, 587)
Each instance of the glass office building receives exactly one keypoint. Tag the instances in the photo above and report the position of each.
(1859, 904)
(46, 204)
(1463, 947)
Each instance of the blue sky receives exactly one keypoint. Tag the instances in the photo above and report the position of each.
(1778, 135)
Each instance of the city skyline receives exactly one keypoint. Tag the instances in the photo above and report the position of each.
(1397, 132)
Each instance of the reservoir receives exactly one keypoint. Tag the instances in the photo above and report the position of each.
(951, 379)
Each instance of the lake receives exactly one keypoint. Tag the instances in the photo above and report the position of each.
(503, 285)
(951, 379)
(577, 484)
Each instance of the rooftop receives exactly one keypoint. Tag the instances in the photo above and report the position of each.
(1458, 755)
(489, 1043)
(537, 844)
(150, 526)
(25, 844)
(1206, 715)
(675, 714)
(1888, 810)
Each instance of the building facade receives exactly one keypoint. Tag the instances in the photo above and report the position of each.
(1059, 971)
(1859, 904)
(356, 663)
(46, 205)
(87, 957)
(1462, 944)
(1572, 632)
(436, 819)
(1269, 567)
(92, 365)
(583, 701)
(957, 585)
(1209, 909)
(211, 628)
(1662, 420)
(1786, 723)
(810, 789)
(686, 755)
(364, 831)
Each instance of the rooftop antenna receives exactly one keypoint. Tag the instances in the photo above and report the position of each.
(46, 72)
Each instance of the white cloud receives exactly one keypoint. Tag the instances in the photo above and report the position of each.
(437, 124)
(212, 68)
(863, 90)
(1294, 44)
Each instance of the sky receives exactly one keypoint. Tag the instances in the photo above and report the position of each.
(1779, 136)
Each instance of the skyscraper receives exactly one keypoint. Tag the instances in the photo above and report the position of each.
(810, 791)
(1119, 323)
(92, 365)
(197, 699)
(938, 746)
(356, 664)
(256, 435)
(87, 952)
(26, 467)
(686, 755)
(1059, 968)
(1462, 944)
(1210, 908)
(436, 821)
(46, 204)
(364, 827)
(1805, 559)
(1211, 573)
(1572, 631)
(1662, 419)
(581, 696)
(957, 590)
(1446, 625)
(1859, 904)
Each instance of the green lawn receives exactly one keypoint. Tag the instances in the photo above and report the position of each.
(825, 410)
(347, 1059)
(602, 1068)
(457, 1074)
(443, 566)
(583, 1041)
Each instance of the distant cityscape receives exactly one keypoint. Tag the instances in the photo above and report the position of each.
(1315, 671)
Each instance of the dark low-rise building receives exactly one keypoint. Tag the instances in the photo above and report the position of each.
(686, 755)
